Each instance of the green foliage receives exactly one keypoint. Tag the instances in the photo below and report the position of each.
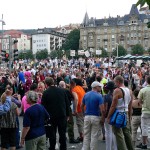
(121, 51)
(137, 49)
(72, 41)
(43, 54)
(26, 54)
(53, 54)
(104, 52)
(142, 3)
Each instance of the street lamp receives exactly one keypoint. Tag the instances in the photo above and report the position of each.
(117, 54)
(3, 23)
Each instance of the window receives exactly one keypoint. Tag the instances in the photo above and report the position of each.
(131, 28)
(145, 28)
(105, 42)
(113, 36)
(131, 34)
(134, 27)
(122, 29)
(139, 28)
(105, 30)
(145, 20)
(105, 36)
(98, 37)
(112, 30)
(98, 31)
(134, 34)
(128, 35)
(139, 34)
(84, 38)
(98, 40)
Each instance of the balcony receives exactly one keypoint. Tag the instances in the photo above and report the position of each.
(122, 38)
(146, 37)
(51, 36)
(105, 39)
(52, 41)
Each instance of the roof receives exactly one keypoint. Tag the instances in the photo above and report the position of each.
(114, 21)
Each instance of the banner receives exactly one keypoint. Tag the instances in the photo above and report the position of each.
(87, 54)
(98, 52)
(72, 53)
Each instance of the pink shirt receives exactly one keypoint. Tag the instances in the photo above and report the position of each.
(24, 103)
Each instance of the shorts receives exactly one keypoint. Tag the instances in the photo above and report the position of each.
(145, 123)
(8, 137)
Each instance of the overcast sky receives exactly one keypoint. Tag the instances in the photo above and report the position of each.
(33, 14)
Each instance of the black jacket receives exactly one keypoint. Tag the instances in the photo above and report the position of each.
(56, 102)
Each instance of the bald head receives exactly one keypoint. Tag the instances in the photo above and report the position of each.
(62, 84)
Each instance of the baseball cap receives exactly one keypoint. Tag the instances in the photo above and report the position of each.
(95, 84)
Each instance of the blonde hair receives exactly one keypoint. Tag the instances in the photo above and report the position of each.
(41, 84)
(3, 98)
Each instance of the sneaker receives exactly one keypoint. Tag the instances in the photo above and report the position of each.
(80, 139)
(73, 141)
(142, 146)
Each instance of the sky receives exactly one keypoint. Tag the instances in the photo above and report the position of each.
(33, 14)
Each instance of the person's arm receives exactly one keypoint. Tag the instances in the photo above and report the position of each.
(83, 104)
(25, 130)
(130, 106)
(6, 106)
(75, 97)
(116, 96)
(17, 102)
(102, 109)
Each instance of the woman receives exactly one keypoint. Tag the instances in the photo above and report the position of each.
(40, 90)
(8, 124)
(33, 132)
(109, 135)
(136, 115)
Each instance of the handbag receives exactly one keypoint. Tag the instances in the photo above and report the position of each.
(119, 119)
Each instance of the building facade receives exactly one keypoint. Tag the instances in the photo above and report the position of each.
(107, 33)
(47, 38)
(67, 28)
(23, 40)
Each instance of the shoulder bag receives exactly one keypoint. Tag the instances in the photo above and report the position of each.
(119, 119)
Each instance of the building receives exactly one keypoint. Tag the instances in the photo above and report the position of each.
(67, 28)
(129, 30)
(145, 10)
(23, 40)
(47, 38)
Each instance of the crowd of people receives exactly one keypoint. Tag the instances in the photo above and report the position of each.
(50, 94)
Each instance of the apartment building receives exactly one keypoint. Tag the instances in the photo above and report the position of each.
(23, 40)
(47, 38)
(129, 30)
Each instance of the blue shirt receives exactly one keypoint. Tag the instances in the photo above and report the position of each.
(92, 100)
(21, 77)
(6, 106)
(34, 118)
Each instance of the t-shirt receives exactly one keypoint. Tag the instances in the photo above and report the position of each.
(34, 118)
(80, 93)
(24, 103)
(92, 100)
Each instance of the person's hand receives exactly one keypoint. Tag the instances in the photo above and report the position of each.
(102, 121)
(19, 97)
(22, 141)
(108, 120)
(8, 92)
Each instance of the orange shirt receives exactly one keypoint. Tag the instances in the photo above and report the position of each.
(80, 92)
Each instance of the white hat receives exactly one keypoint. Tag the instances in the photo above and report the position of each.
(95, 84)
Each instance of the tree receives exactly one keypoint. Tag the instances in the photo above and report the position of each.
(142, 3)
(42, 54)
(26, 54)
(121, 51)
(72, 40)
(137, 49)
(104, 53)
(53, 54)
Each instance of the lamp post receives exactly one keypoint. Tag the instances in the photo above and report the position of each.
(3, 23)
(117, 54)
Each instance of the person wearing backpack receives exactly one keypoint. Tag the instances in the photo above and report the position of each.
(122, 101)
(109, 135)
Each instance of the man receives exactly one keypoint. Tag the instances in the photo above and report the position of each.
(122, 101)
(94, 105)
(56, 102)
(78, 94)
(70, 124)
(144, 96)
